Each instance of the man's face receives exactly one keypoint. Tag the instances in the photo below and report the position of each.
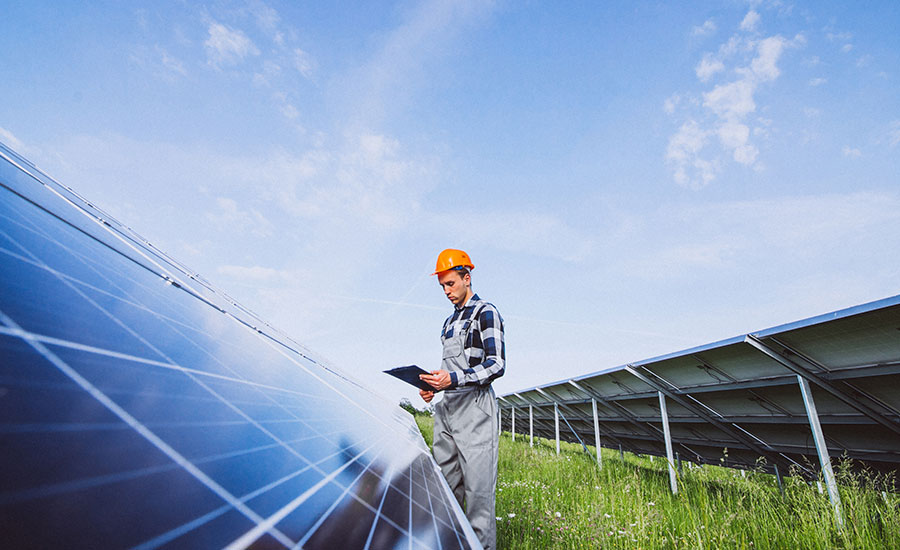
(456, 288)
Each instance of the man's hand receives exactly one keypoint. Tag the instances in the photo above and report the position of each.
(438, 379)
(426, 396)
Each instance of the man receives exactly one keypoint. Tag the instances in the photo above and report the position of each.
(465, 420)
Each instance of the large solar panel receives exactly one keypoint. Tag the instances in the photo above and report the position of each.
(142, 408)
(738, 402)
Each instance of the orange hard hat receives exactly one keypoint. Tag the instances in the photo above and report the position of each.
(452, 259)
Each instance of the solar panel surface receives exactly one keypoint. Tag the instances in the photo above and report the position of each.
(142, 408)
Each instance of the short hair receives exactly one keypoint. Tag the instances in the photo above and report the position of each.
(462, 270)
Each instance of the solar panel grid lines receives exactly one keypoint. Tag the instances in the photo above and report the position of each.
(143, 248)
(141, 429)
(134, 413)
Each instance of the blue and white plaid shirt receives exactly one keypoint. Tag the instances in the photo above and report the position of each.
(485, 349)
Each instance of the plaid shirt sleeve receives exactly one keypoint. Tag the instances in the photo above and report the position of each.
(485, 350)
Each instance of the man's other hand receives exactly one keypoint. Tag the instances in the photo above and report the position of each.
(426, 396)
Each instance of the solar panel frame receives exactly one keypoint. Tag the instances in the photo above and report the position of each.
(732, 395)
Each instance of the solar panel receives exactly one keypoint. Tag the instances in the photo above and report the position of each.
(738, 402)
(142, 408)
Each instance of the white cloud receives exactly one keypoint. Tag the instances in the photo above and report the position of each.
(864, 61)
(734, 136)
(811, 112)
(750, 21)
(818, 81)
(731, 101)
(851, 152)
(725, 108)
(764, 65)
(226, 46)
(708, 67)
(683, 155)
(846, 48)
(687, 142)
(707, 28)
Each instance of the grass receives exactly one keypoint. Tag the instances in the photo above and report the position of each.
(545, 501)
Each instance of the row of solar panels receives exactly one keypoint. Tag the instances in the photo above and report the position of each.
(738, 402)
(142, 408)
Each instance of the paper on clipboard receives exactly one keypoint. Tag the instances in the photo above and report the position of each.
(410, 375)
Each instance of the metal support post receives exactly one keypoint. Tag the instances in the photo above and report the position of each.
(673, 478)
(514, 424)
(556, 421)
(571, 429)
(621, 453)
(778, 480)
(596, 433)
(499, 421)
(531, 424)
(819, 439)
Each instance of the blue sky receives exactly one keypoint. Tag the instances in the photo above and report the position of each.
(630, 178)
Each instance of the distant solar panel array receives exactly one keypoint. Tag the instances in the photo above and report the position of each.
(142, 408)
(753, 401)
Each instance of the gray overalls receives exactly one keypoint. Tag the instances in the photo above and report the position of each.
(466, 439)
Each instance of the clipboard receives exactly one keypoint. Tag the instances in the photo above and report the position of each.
(410, 375)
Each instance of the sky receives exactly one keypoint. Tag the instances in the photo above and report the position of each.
(629, 178)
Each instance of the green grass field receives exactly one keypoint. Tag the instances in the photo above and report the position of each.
(548, 501)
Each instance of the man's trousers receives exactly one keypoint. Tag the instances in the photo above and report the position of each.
(466, 445)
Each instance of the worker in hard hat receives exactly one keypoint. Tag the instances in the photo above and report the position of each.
(466, 435)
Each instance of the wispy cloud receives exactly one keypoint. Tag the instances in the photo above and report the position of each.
(818, 81)
(707, 28)
(157, 61)
(851, 152)
(227, 46)
(13, 142)
(304, 63)
(894, 133)
(708, 66)
(232, 216)
(428, 31)
(715, 236)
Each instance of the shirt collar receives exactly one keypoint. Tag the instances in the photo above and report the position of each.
(470, 302)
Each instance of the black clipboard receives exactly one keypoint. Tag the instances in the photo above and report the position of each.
(410, 375)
